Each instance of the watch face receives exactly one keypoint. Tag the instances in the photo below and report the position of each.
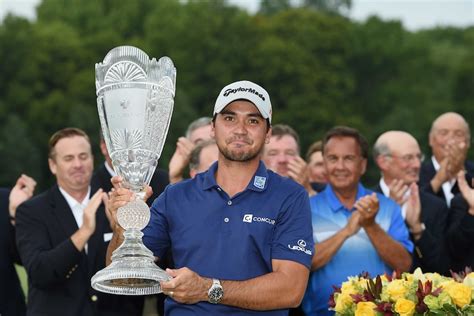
(215, 294)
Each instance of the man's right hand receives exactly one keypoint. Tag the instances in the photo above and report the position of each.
(180, 159)
(353, 226)
(457, 156)
(398, 189)
(22, 191)
(450, 165)
(298, 171)
(442, 175)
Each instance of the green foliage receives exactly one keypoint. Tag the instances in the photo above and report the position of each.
(320, 69)
(269, 7)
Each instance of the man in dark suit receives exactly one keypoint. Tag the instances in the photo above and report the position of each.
(460, 233)
(398, 157)
(12, 300)
(449, 141)
(62, 236)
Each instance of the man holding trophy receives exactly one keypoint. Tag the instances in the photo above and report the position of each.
(240, 235)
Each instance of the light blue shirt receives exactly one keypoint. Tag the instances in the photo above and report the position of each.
(357, 254)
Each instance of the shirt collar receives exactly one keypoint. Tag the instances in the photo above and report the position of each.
(384, 187)
(109, 169)
(435, 163)
(72, 202)
(334, 202)
(259, 181)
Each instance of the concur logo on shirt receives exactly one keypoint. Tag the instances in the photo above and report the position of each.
(249, 218)
(301, 247)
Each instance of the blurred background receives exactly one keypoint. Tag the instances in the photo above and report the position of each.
(372, 65)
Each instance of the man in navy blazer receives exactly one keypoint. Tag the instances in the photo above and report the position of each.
(12, 300)
(62, 236)
(398, 157)
(450, 139)
(460, 233)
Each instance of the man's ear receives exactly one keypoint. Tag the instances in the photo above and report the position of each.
(382, 162)
(268, 135)
(364, 166)
(213, 130)
(52, 165)
(103, 148)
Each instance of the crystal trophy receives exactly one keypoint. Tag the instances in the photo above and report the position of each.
(135, 97)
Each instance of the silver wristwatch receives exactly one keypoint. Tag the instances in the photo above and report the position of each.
(216, 292)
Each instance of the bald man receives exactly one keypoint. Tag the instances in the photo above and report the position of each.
(399, 157)
(450, 139)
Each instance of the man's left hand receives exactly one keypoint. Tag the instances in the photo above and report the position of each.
(414, 208)
(186, 286)
(368, 207)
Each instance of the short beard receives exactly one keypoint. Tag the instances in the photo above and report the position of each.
(240, 156)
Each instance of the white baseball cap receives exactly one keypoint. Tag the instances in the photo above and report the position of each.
(246, 90)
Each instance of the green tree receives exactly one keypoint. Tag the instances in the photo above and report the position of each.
(332, 6)
(269, 7)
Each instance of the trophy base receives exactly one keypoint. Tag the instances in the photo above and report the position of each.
(132, 271)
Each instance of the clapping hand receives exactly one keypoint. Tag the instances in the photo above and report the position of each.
(368, 207)
(180, 159)
(398, 190)
(466, 191)
(22, 191)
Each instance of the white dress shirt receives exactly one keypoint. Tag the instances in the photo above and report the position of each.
(446, 186)
(77, 207)
(386, 192)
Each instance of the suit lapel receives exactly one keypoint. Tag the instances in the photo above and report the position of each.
(63, 212)
(96, 245)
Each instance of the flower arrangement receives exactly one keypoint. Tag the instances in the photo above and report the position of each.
(409, 294)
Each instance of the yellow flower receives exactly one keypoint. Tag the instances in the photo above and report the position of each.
(469, 280)
(363, 284)
(365, 309)
(343, 302)
(434, 277)
(409, 277)
(396, 290)
(437, 302)
(405, 307)
(348, 288)
(460, 293)
(446, 285)
(417, 275)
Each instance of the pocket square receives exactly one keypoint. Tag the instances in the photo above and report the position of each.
(107, 236)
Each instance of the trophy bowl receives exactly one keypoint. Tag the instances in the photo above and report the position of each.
(135, 98)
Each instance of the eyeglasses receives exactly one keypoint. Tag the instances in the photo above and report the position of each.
(409, 158)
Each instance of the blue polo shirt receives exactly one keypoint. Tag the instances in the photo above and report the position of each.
(357, 254)
(230, 238)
